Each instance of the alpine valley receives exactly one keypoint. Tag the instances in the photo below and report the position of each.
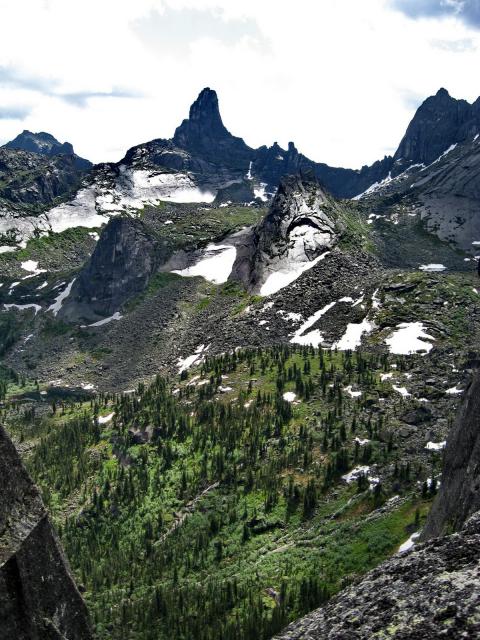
(233, 383)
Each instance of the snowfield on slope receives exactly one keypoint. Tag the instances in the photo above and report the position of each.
(407, 339)
(215, 264)
(285, 273)
(93, 205)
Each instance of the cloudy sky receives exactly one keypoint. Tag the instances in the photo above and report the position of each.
(341, 78)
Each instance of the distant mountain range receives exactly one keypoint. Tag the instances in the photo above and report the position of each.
(439, 122)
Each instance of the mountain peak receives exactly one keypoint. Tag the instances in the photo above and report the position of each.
(204, 118)
(442, 92)
(41, 142)
(45, 144)
(204, 132)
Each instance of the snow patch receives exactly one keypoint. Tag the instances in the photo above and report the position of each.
(436, 446)
(105, 419)
(406, 340)
(100, 323)
(432, 267)
(454, 391)
(351, 393)
(21, 307)
(283, 277)
(289, 396)
(215, 264)
(352, 338)
(57, 305)
(408, 544)
(402, 391)
(186, 363)
(313, 338)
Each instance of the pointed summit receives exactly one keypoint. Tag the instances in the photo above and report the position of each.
(440, 122)
(204, 133)
(204, 116)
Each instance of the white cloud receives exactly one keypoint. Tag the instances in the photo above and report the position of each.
(340, 78)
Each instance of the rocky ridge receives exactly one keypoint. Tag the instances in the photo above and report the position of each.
(47, 145)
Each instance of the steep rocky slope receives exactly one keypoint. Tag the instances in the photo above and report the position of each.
(443, 194)
(30, 182)
(121, 265)
(38, 596)
(459, 495)
(440, 122)
(302, 224)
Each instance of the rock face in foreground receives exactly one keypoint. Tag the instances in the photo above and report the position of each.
(38, 597)
(459, 494)
(429, 593)
(298, 229)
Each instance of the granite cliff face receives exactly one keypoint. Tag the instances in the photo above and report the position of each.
(459, 494)
(298, 229)
(121, 265)
(38, 597)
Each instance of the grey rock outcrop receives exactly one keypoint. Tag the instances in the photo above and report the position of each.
(428, 593)
(121, 266)
(459, 494)
(32, 181)
(38, 596)
(299, 227)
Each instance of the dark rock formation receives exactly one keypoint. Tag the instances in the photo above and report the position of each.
(459, 494)
(272, 163)
(205, 134)
(35, 181)
(38, 596)
(439, 122)
(429, 593)
(299, 226)
(121, 266)
(46, 145)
